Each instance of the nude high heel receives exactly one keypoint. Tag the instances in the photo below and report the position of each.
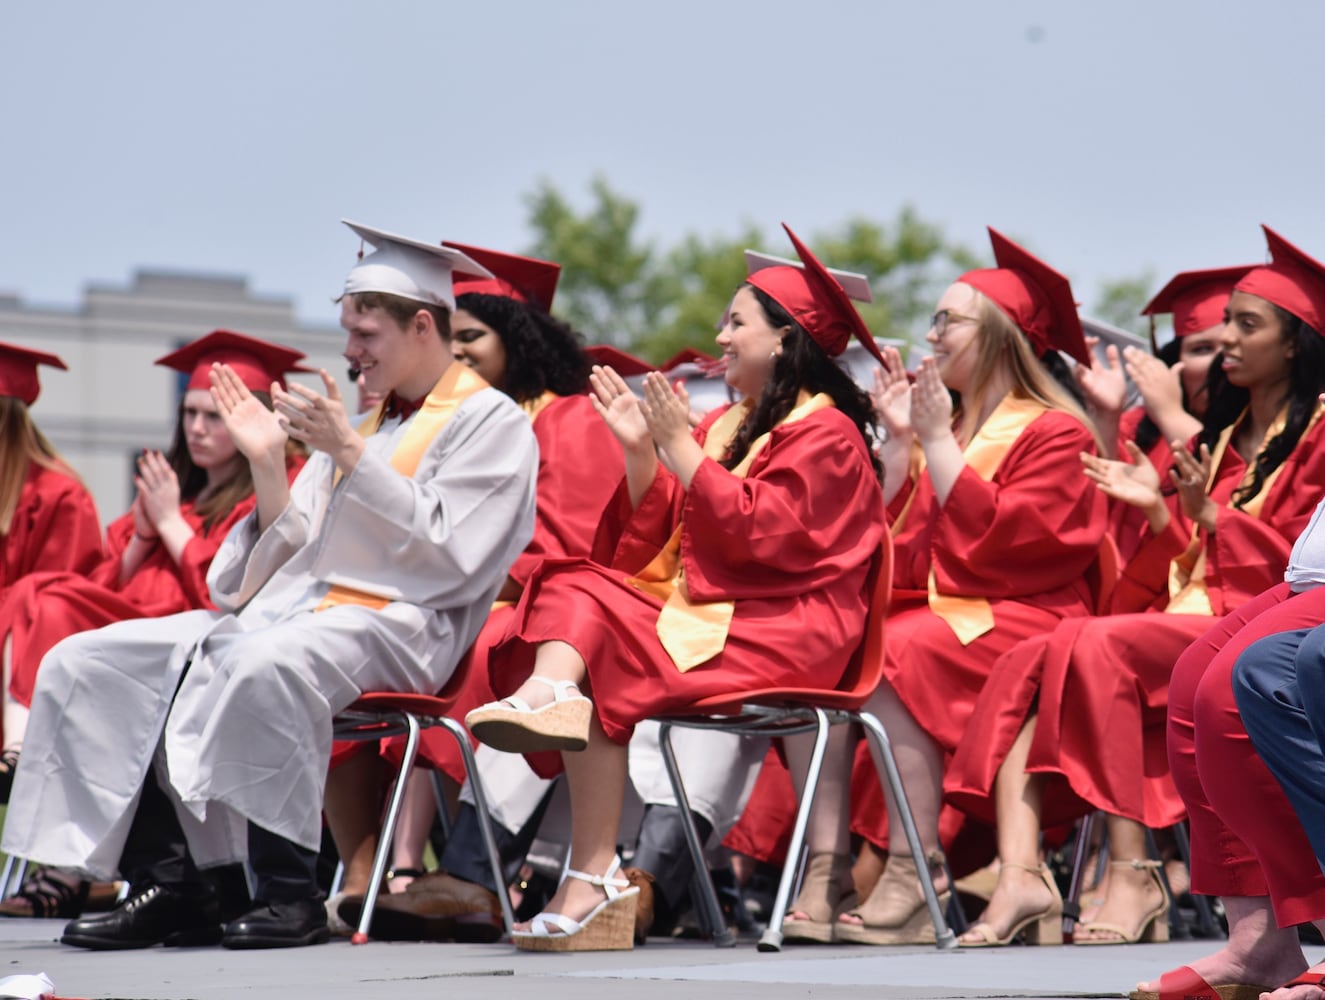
(827, 893)
(1042, 928)
(609, 926)
(1154, 926)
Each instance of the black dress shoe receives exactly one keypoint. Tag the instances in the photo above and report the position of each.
(155, 915)
(279, 925)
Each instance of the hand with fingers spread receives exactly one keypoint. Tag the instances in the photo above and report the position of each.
(931, 404)
(1191, 475)
(1135, 483)
(158, 491)
(1161, 393)
(256, 430)
(318, 421)
(1103, 383)
(891, 396)
(619, 408)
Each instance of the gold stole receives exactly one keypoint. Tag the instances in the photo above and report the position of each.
(695, 632)
(1188, 593)
(457, 384)
(533, 407)
(971, 617)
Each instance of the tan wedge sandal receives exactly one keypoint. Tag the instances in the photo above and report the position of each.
(513, 726)
(827, 892)
(1153, 926)
(609, 926)
(895, 912)
(1041, 928)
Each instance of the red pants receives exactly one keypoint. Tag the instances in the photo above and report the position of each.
(1246, 839)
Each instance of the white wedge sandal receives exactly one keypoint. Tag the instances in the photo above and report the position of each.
(609, 926)
(512, 726)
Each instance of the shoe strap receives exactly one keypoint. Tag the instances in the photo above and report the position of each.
(1137, 864)
(611, 886)
(559, 688)
(538, 925)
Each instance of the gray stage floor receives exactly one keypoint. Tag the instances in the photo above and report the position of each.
(662, 969)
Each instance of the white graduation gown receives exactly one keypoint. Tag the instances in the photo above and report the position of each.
(244, 733)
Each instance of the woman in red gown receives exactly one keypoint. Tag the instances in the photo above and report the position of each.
(1075, 720)
(48, 522)
(157, 555)
(995, 533)
(736, 558)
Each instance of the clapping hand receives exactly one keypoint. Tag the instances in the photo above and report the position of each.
(255, 430)
(891, 396)
(666, 414)
(318, 421)
(1136, 483)
(619, 408)
(931, 405)
(1190, 475)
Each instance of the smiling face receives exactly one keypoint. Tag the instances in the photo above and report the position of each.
(1256, 354)
(479, 346)
(750, 343)
(209, 443)
(957, 347)
(392, 356)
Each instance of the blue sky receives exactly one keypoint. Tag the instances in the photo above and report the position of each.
(1114, 138)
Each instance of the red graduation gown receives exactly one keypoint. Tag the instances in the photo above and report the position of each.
(579, 467)
(1102, 683)
(1026, 541)
(48, 607)
(791, 544)
(55, 528)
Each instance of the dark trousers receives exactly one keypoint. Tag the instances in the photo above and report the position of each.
(156, 853)
(1279, 684)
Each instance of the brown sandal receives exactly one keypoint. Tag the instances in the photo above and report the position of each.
(827, 892)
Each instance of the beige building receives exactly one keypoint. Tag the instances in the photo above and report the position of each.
(113, 401)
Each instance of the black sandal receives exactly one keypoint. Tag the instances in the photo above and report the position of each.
(8, 765)
(45, 893)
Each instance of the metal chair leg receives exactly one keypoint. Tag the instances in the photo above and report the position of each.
(484, 818)
(1080, 853)
(882, 750)
(385, 842)
(706, 900)
(771, 940)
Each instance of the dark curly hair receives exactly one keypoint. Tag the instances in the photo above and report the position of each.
(542, 352)
(1306, 383)
(802, 365)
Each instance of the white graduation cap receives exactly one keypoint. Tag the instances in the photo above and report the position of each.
(408, 268)
(857, 286)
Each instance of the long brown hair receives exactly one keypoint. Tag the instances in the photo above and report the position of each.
(1001, 342)
(21, 445)
(193, 479)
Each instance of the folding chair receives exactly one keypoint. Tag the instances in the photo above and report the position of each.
(773, 712)
(377, 714)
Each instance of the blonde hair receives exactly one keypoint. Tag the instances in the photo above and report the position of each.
(1003, 345)
(21, 445)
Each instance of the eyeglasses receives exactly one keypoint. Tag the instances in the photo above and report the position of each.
(940, 320)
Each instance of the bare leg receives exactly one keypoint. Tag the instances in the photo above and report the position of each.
(416, 815)
(920, 763)
(1131, 893)
(557, 661)
(353, 804)
(596, 779)
(1020, 891)
(1257, 952)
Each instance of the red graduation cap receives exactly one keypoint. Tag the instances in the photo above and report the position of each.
(1291, 281)
(1035, 296)
(687, 355)
(525, 279)
(1196, 298)
(257, 363)
(816, 300)
(18, 371)
(618, 360)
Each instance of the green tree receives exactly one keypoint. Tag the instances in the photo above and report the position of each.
(1121, 300)
(621, 289)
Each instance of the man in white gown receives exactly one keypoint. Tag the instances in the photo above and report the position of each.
(163, 746)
